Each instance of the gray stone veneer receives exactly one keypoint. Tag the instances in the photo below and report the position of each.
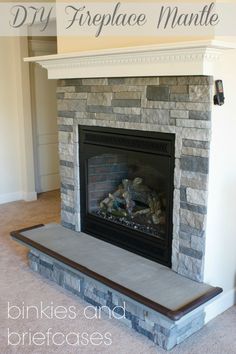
(160, 329)
(179, 105)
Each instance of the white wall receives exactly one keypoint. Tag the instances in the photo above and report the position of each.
(16, 151)
(10, 157)
(220, 264)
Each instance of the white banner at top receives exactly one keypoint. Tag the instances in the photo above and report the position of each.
(118, 19)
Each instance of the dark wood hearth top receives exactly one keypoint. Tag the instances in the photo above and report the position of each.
(145, 281)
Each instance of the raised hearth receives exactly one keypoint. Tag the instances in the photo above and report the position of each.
(163, 306)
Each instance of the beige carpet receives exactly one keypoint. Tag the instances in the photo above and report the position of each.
(19, 286)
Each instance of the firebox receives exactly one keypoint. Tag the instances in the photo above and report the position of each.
(126, 186)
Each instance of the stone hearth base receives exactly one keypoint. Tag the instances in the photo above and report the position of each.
(158, 328)
(147, 297)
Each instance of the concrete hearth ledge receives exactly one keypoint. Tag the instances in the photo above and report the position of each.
(145, 281)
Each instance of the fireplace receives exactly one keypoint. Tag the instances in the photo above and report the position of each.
(137, 95)
(127, 180)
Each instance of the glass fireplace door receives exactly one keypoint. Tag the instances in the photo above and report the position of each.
(127, 189)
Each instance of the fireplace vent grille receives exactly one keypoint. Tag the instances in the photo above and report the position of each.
(151, 145)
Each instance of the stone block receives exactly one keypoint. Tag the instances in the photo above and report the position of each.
(66, 150)
(65, 127)
(191, 327)
(194, 180)
(94, 82)
(168, 80)
(45, 271)
(182, 89)
(160, 116)
(193, 106)
(63, 89)
(176, 203)
(71, 105)
(183, 196)
(68, 225)
(158, 93)
(64, 121)
(99, 109)
(66, 163)
(194, 220)
(65, 137)
(67, 199)
(191, 230)
(67, 186)
(126, 103)
(177, 173)
(193, 207)
(200, 93)
(196, 144)
(99, 99)
(185, 236)
(142, 81)
(194, 164)
(197, 243)
(200, 80)
(178, 145)
(157, 104)
(184, 243)
(198, 115)
(68, 209)
(102, 88)
(66, 114)
(66, 172)
(71, 82)
(195, 152)
(67, 217)
(83, 88)
(66, 157)
(179, 97)
(182, 80)
(127, 95)
(128, 118)
(190, 267)
(173, 121)
(191, 123)
(127, 110)
(196, 196)
(104, 117)
(72, 280)
(179, 114)
(58, 274)
(125, 88)
(76, 95)
(191, 252)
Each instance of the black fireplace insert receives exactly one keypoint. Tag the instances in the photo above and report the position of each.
(126, 187)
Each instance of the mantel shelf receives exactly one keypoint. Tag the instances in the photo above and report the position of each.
(172, 59)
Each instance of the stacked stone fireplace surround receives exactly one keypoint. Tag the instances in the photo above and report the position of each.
(179, 105)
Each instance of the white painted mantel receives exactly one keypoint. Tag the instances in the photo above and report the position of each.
(173, 59)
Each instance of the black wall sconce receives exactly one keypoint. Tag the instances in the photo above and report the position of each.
(219, 98)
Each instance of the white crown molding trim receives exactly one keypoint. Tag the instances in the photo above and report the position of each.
(186, 58)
